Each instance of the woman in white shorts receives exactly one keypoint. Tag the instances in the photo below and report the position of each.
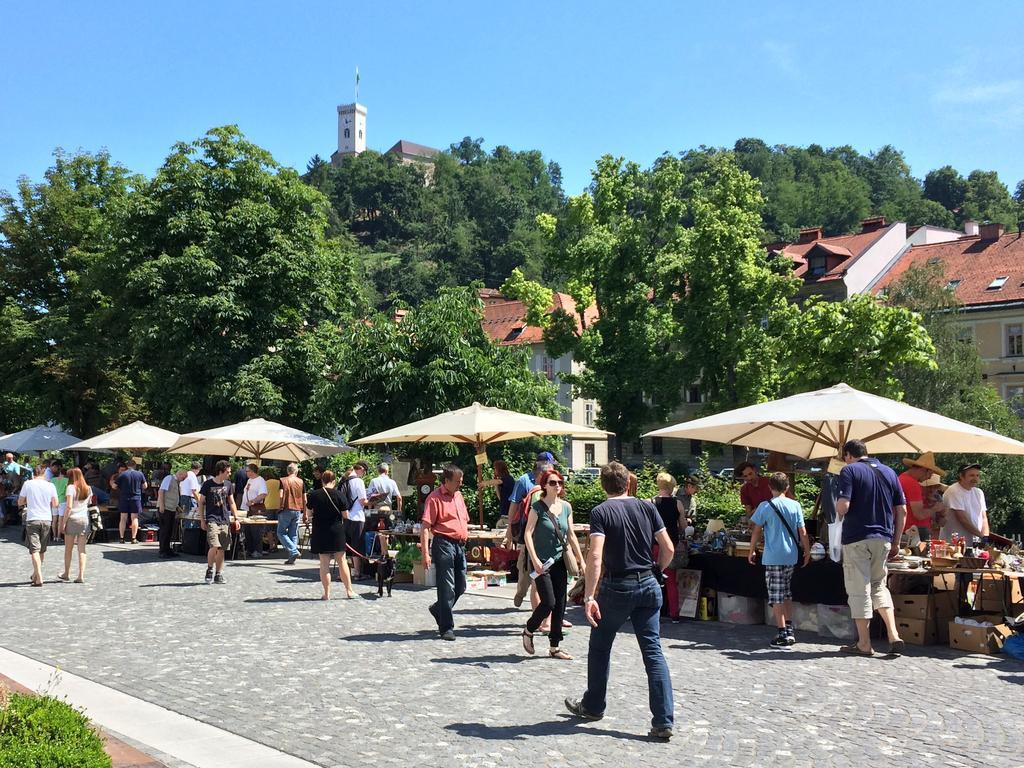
(75, 523)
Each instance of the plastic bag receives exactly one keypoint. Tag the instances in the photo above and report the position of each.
(835, 541)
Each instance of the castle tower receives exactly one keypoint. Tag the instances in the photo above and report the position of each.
(351, 131)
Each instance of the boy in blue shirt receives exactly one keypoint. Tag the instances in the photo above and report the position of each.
(781, 520)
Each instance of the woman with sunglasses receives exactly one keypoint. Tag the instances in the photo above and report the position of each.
(549, 530)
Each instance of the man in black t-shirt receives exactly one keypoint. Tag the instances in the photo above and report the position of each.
(623, 531)
(216, 514)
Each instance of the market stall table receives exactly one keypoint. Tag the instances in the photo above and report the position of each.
(821, 581)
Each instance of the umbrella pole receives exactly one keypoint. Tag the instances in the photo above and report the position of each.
(479, 488)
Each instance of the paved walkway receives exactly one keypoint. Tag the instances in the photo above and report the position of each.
(365, 681)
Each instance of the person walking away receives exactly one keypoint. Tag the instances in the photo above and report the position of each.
(445, 528)
(60, 484)
(967, 514)
(293, 504)
(39, 499)
(872, 508)
(549, 532)
(217, 512)
(329, 509)
(779, 519)
(623, 531)
(357, 515)
(75, 523)
(168, 502)
(254, 497)
(130, 484)
(673, 516)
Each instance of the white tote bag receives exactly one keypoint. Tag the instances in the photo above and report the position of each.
(835, 541)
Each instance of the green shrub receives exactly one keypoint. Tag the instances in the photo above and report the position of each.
(44, 732)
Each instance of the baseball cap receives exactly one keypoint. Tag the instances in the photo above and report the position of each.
(546, 456)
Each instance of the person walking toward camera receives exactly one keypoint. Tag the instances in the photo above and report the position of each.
(216, 514)
(781, 520)
(623, 531)
(75, 523)
(550, 541)
(445, 528)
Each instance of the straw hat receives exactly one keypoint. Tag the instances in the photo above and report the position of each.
(926, 460)
(933, 480)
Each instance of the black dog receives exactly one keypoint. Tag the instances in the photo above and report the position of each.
(385, 574)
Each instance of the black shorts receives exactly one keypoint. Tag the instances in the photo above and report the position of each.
(354, 534)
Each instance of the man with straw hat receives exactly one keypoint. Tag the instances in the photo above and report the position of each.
(920, 517)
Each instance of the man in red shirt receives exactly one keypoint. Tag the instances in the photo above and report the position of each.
(754, 490)
(919, 515)
(443, 540)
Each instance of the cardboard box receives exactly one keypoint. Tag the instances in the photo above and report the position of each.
(736, 609)
(997, 593)
(918, 631)
(968, 639)
(937, 605)
(424, 577)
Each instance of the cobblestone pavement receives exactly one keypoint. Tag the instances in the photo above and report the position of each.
(366, 681)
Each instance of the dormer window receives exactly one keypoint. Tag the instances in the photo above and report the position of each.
(816, 266)
(952, 284)
(998, 283)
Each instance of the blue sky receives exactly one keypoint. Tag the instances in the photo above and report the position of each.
(944, 82)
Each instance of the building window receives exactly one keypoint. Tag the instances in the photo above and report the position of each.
(549, 368)
(589, 455)
(1014, 391)
(1015, 340)
(638, 447)
(657, 448)
(696, 448)
(952, 284)
(360, 133)
(348, 133)
(693, 394)
(998, 283)
(816, 266)
(588, 414)
(965, 334)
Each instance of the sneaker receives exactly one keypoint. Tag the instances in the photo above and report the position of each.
(433, 610)
(449, 635)
(576, 707)
(790, 640)
(209, 576)
(661, 734)
(781, 641)
(219, 579)
(291, 560)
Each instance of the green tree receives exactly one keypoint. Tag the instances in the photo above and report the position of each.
(988, 199)
(947, 187)
(387, 370)
(64, 355)
(868, 345)
(224, 273)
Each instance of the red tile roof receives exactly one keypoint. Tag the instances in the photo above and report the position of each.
(841, 251)
(972, 261)
(404, 147)
(505, 322)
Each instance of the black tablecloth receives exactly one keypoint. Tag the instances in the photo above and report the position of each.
(820, 582)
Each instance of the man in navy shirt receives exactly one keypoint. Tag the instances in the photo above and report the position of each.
(873, 510)
(623, 531)
(130, 484)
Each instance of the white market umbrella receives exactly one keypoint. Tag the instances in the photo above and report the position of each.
(814, 425)
(135, 436)
(258, 439)
(479, 426)
(45, 437)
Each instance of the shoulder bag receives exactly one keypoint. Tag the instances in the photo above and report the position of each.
(789, 530)
(572, 567)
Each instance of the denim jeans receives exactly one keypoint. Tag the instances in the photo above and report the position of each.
(639, 601)
(288, 530)
(450, 564)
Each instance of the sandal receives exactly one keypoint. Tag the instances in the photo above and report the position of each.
(558, 653)
(62, 577)
(79, 580)
(854, 650)
(528, 641)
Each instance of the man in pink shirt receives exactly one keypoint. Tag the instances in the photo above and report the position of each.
(443, 541)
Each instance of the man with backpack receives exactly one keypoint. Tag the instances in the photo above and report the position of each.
(525, 492)
(779, 519)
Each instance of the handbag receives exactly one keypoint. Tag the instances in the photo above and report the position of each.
(789, 530)
(95, 521)
(568, 556)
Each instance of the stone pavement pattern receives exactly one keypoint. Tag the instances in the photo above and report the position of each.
(356, 682)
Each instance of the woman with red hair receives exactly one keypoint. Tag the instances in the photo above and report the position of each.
(549, 532)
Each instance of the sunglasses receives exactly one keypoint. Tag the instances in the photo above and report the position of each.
(555, 482)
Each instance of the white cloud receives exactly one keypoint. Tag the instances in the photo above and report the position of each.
(979, 93)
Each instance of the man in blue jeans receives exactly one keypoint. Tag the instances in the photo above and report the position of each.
(293, 504)
(623, 531)
(443, 540)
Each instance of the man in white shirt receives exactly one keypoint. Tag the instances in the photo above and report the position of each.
(966, 513)
(254, 496)
(39, 500)
(189, 490)
(356, 514)
(383, 491)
